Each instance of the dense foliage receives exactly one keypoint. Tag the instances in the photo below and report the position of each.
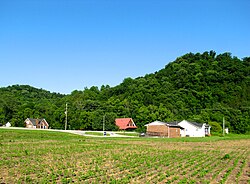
(198, 87)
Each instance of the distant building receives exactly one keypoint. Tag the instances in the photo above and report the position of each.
(193, 129)
(8, 124)
(177, 129)
(36, 123)
(125, 123)
(162, 129)
(226, 130)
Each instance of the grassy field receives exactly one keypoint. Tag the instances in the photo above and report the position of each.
(55, 157)
(132, 134)
(96, 133)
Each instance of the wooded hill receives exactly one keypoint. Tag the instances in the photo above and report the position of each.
(198, 87)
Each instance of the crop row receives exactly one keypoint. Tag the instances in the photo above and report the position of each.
(123, 161)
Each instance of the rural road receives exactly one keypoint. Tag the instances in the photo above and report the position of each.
(78, 132)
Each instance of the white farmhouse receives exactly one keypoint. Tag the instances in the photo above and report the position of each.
(8, 124)
(193, 129)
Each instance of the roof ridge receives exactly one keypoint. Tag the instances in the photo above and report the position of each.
(196, 124)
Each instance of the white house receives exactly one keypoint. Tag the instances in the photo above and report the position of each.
(8, 124)
(193, 129)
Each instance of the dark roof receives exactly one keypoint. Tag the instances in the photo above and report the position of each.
(33, 121)
(196, 124)
(174, 123)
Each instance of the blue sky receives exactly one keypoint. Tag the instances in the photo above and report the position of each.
(66, 45)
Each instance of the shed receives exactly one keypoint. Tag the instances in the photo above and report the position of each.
(8, 124)
(164, 129)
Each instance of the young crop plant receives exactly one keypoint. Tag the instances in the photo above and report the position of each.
(226, 156)
(243, 164)
(98, 160)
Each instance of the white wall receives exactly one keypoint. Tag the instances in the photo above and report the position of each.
(8, 124)
(190, 130)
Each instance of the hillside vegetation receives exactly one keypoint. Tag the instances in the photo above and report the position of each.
(198, 87)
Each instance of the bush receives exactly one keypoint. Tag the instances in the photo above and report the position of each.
(215, 127)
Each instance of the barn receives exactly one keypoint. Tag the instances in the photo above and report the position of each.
(163, 129)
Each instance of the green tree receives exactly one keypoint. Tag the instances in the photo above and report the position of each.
(215, 127)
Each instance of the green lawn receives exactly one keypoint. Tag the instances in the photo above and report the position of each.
(55, 157)
(132, 134)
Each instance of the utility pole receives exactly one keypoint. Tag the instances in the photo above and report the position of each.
(168, 131)
(66, 113)
(223, 126)
(103, 124)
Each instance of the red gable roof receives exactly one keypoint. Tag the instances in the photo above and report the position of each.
(125, 123)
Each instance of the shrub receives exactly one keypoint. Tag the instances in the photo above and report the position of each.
(215, 127)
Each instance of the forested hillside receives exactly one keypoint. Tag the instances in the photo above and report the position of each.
(19, 102)
(198, 87)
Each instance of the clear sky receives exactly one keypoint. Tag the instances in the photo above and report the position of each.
(66, 45)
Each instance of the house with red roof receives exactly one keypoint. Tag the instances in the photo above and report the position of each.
(125, 123)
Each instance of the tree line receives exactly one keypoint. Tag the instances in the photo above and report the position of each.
(201, 87)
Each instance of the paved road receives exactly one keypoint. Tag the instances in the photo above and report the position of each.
(78, 132)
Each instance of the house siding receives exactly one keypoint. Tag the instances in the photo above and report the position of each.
(191, 131)
(29, 126)
(174, 132)
(43, 125)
